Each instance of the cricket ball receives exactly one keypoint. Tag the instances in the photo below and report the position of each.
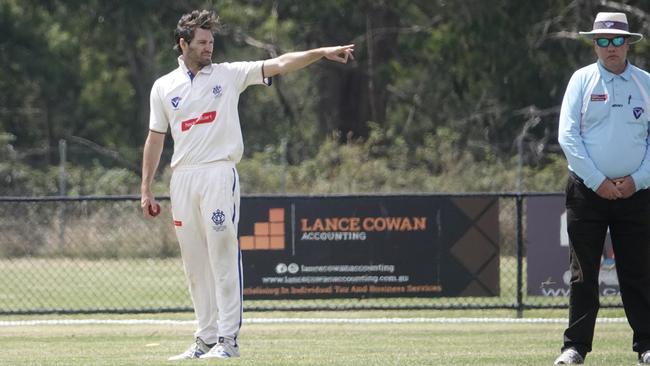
(154, 210)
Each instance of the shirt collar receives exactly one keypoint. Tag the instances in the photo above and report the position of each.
(608, 75)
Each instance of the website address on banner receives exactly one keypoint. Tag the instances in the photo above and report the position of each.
(334, 279)
(388, 268)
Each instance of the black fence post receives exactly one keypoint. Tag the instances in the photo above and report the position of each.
(519, 305)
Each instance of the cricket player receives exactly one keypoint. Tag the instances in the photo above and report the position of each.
(198, 102)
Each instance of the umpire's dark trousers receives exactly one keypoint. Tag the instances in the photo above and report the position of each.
(588, 217)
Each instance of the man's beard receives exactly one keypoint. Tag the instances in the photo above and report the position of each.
(204, 62)
(199, 61)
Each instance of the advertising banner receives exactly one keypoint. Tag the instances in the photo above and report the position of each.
(548, 250)
(369, 246)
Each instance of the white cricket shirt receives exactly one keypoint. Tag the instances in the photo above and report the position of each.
(202, 111)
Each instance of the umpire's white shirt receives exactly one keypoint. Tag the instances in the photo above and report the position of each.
(202, 110)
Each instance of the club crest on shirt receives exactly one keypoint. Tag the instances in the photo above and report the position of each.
(638, 111)
(175, 102)
(218, 217)
(599, 97)
(217, 90)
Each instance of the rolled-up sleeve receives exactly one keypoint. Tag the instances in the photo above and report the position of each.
(248, 73)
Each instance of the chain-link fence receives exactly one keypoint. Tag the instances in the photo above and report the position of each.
(98, 254)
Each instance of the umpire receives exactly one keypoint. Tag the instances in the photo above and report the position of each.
(604, 129)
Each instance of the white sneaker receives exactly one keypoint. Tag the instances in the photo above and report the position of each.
(569, 357)
(645, 358)
(223, 349)
(196, 350)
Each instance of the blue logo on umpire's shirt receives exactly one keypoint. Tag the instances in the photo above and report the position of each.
(638, 111)
(218, 217)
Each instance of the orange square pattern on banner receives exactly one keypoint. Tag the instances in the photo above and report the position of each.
(266, 235)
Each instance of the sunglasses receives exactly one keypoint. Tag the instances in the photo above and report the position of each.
(616, 41)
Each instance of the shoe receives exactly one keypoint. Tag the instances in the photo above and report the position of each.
(569, 357)
(645, 358)
(196, 350)
(222, 349)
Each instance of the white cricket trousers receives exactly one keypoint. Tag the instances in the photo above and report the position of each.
(205, 207)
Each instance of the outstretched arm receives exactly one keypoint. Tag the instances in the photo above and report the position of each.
(297, 60)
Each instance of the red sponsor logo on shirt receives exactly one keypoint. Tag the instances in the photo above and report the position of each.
(207, 117)
(178, 223)
(599, 97)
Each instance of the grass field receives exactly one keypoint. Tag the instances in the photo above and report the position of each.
(78, 284)
(61, 283)
(143, 283)
(309, 344)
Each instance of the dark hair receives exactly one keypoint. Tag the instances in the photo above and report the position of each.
(188, 24)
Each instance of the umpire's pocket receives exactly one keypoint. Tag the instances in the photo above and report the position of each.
(569, 191)
(577, 192)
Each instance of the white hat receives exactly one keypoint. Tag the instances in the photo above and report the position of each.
(612, 23)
